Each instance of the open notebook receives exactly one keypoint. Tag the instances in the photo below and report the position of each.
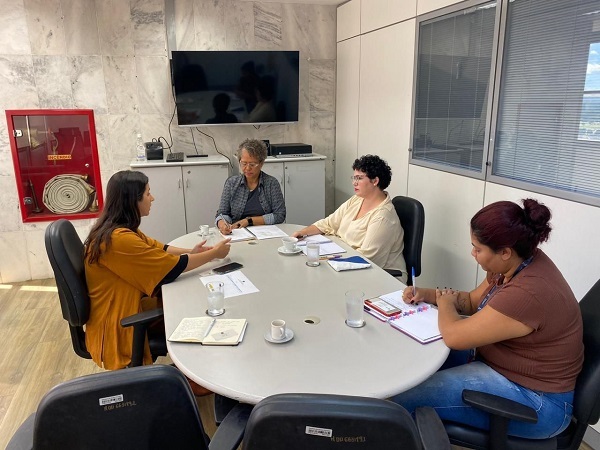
(420, 322)
(255, 232)
(326, 246)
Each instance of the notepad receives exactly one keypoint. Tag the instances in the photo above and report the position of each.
(255, 232)
(209, 331)
(420, 322)
(326, 246)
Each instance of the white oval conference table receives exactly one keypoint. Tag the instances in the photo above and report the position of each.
(328, 357)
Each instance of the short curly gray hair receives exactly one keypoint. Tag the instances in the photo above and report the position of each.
(256, 148)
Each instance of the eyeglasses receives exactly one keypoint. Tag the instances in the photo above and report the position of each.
(357, 178)
(244, 164)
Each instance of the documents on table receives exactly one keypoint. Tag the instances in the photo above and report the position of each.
(209, 331)
(417, 321)
(255, 232)
(239, 234)
(326, 247)
(267, 231)
(235, 283)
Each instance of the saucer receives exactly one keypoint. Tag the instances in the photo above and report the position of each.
(289, 334)
(283, 251)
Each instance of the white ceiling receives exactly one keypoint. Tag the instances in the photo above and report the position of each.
(304, 2)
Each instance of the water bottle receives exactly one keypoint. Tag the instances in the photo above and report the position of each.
(140, 149)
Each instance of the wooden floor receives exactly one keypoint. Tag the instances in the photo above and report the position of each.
(36, 354)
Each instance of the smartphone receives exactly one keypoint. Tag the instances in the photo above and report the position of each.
(228, 268)
(382, 307)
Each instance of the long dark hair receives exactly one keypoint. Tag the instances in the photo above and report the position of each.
(123, 192)
(505, 224)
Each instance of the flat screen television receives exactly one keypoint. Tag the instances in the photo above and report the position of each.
(235, 87)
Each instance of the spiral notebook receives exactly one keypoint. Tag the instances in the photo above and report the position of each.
(420, 322)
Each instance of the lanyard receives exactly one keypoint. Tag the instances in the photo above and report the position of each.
(491, 292)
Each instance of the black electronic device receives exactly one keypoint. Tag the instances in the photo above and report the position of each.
(154, 150)
(175, 157)
(233, 87)
(228, 268)
(290, 149)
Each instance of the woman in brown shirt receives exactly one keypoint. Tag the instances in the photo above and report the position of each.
(521, 327)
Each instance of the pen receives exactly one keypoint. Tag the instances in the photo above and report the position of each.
(302, 236)
(412, 278)
(323, 258)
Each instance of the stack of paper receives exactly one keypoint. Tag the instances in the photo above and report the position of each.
(326, 246)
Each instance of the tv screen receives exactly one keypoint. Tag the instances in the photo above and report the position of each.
(235, 87)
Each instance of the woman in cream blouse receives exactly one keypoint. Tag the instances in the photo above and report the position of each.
(367, 221)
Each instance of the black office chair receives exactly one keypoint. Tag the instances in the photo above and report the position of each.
(412, 218)
(586, 405)
(148, 407)
(65, 252)
(322, 422)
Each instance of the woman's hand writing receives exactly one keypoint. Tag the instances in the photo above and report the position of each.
(412, 295)
(224, 226)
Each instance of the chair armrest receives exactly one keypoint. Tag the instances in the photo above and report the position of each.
(231, 431)
(145, 317)
(23, 437)
(140, 323)
(394, 273)
(499, 406)
(431, 429)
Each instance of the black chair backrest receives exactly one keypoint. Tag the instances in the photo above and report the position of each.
(412, 218)
(586, 405)
(149, 407)
(65, 252)
(319, 421)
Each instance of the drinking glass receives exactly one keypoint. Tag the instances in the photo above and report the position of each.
(216, 298)
(312, 254)
(354, 308)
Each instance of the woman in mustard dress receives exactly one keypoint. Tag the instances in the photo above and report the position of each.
(124, 268)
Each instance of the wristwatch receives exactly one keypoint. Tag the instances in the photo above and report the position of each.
(250, 222)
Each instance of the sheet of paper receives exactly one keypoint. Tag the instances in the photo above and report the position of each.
(267, 232)
(327, 248)
(314, 238)
(235, 283)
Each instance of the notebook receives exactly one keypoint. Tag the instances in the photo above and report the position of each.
(326, 246)
(209, 331)
(420, 322)
(255, 232)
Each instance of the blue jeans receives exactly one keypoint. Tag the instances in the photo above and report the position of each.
(443, 392)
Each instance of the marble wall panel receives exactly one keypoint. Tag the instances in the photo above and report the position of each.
(39, 265)
(322, 85)
(121, 84)
(154, 84)
(18, 83)
(185, 38)
(53, 82)
(14, 39)
(239, 25)
(267, 26)
(9, 204)
(46, 27)
(115, 28)
(81, 29)
(154, 126)
(14, 263)
(87, 83)
(310, 30)
(148, 18)
(209, 23)
(122, 130)
(6, 164)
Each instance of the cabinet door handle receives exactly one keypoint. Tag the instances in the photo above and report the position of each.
(288, 178)
(179, 183)
(187, 183)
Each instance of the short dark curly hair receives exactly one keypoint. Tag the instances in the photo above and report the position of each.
(373, 166)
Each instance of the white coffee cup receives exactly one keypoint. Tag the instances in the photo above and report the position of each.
(204, 230)
(278, 330)
(289, 243)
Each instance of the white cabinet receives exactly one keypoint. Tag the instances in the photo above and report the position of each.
(186, 195)
(302, 182)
